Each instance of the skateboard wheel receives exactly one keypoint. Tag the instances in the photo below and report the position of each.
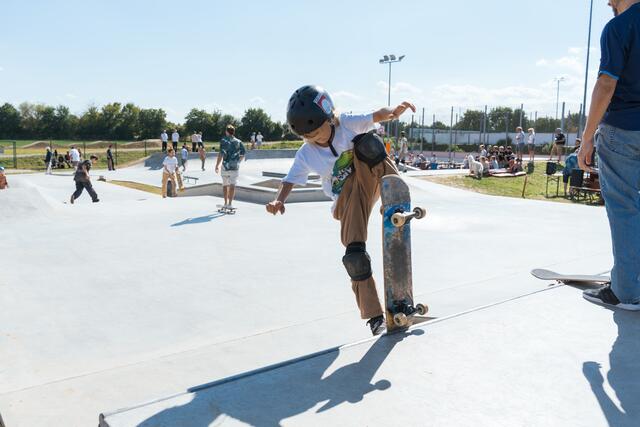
(419, 212)
(398, 219)
(422, 309)
(400, 319)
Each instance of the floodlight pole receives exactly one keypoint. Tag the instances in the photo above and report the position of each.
(390, 59)
(583, 112)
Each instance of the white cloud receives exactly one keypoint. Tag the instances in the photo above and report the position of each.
(1, 68)
(343, 95)
(70, 96)
(399, 88)
(257, 100)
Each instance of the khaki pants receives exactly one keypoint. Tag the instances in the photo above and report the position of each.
(359, 194)
(173, 177)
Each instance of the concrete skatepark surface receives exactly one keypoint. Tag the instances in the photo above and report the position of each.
(136, 298)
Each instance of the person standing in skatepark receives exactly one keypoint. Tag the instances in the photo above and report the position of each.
(614, 123)
(351, 158)
(232, 152)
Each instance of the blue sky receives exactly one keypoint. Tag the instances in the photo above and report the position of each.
(235, 55)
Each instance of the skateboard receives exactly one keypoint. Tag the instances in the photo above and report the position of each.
(223, 209)
(396, 247)
(569, 278)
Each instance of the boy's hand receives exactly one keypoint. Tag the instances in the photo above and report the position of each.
(275, 207)
(400, 109)
(217, 169)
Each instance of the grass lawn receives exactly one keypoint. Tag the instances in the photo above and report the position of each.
(507, 187)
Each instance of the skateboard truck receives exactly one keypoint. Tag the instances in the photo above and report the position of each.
(404, 311)
(401, 218)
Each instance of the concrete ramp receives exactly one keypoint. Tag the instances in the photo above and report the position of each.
(24, 199)
(543, 359)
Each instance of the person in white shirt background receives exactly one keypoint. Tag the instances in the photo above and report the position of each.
(74, 154)
(200, 143)
(519, 143)
(252, 139)
(175, 137)
(170, 173)
(164, 138)
(531, 143)
(194, 141)
(259, 139)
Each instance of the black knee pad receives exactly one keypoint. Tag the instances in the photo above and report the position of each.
(357, 261)
(369, 148)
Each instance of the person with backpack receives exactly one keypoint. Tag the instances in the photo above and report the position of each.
(349, 155)
(232, 152)
(83, 180)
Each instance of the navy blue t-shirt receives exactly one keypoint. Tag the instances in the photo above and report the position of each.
(620, 45)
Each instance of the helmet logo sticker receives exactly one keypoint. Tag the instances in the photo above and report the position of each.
(323, 102)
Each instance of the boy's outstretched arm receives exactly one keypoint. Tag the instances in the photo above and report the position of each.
(278, 204)
(389, 113)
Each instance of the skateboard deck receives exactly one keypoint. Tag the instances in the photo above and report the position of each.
(225, 210)
(396, 247)
(569, 278)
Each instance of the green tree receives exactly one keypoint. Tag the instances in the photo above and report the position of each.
(128, 123)
(470, 120)
(152, 122)
(500, 118)
(439, 125)
(256, 120)
(89, 124)
(9, 121)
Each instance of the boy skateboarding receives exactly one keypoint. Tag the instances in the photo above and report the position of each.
(351, 159)
(83, 180)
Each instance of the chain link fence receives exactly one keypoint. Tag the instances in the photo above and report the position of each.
(31, 155)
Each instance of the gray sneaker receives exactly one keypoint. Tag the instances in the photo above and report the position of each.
(377, 325)
(605, 296)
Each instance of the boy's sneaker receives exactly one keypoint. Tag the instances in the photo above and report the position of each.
(72, 199)
(376, 324)
(606, 297)
(96, 200)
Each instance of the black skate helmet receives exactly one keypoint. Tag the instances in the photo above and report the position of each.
(309, 107)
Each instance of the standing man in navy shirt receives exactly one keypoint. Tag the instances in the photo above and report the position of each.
(614, 119)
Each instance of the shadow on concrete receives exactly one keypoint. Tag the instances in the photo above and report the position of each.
(199, 220)
(269, 397)
(624, 375)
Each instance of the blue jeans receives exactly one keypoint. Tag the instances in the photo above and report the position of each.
(619, 164)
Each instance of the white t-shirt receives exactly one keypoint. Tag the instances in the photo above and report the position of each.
(312, 158)
(253, 138)
(171, 163)
(194, 137)
(199, 138)
(184, 152)
(75, 155)
(164, 137)
(259, 138)
(531, 139)
(520, 137)
(175, 137)
(403, 145)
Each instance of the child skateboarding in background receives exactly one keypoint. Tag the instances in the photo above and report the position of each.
(83, 180)
(351, 158)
